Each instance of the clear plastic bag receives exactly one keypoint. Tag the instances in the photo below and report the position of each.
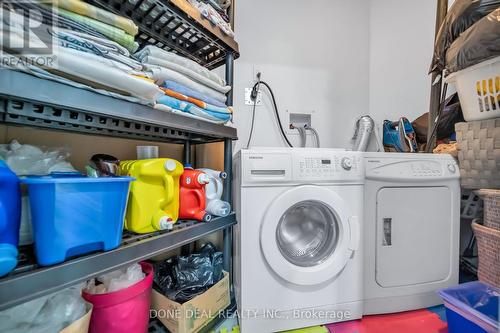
(478, 43)
(116, 280)
(49, 314)
(184, 277)
(31, 160)
(461, 16)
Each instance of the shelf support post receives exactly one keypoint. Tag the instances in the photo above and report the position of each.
(230, 77)
(436, 88)
(186, 157)
(228, 168)
(187, 153)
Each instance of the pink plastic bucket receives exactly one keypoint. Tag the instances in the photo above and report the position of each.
(123, 311)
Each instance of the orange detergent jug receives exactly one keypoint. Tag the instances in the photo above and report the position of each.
(192, 195)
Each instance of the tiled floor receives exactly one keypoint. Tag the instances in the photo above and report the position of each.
(431, 320)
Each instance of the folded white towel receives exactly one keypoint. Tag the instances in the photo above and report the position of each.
(151, 60)
(154, 51)
(99, 47)
(161, 74)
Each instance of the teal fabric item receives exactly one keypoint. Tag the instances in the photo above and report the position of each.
(214, 108)
(193, 109)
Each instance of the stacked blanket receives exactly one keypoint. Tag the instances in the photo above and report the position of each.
(83, 55)
(216, 12)
(187, 86)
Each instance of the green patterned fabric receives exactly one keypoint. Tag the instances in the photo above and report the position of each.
(87, 10)
(113, 33)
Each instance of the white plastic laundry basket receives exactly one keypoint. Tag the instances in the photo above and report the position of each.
(479, 90)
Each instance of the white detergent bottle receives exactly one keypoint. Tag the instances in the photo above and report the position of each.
(215, 187)
(213, 193)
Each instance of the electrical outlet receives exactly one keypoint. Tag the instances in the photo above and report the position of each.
(256, 70)
(248, 97)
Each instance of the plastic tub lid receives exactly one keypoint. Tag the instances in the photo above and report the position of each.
(476, 301)
(58, 179)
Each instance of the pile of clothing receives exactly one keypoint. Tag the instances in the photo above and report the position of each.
(187, 86)
(91, 48)
(216, 11)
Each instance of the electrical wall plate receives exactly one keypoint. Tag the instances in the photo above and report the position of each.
(248, 99)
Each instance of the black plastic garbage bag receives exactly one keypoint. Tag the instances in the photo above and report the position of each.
(452, 114)
(477, 44)
(184, 277)
(461, 16)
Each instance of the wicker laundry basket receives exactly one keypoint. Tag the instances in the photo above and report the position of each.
(488, 243)
(491, 211)
(479, 153)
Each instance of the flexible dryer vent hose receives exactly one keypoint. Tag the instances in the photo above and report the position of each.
(364, 129)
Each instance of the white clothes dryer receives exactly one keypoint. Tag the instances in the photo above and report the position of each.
(411, 230)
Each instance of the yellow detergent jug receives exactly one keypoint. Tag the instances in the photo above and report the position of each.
(153, 202)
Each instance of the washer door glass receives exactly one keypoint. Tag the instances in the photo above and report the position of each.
(307, 233)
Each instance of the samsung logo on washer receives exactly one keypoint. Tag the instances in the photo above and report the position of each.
(256, 157)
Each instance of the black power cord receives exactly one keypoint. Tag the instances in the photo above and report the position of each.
(253, 96)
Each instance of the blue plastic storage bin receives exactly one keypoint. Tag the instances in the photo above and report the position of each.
(10, 218)
(76, 215)
(472, 308)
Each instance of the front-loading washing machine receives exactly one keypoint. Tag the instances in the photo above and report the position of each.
(411, 230)
(298, 257)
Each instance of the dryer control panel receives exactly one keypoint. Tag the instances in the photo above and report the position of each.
(414, 168)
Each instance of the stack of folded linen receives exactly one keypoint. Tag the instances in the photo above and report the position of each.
(88, 54)
(216, 12)
(188, 87)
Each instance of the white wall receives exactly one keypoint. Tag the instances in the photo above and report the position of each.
(362, 57)
(401, 44)
(314, 55)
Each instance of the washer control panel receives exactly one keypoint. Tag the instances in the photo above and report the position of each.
(327, 167)
(266, 166)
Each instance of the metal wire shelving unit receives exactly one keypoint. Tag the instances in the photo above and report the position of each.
(26, 100)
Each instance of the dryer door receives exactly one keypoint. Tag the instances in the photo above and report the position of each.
(414, 235)
(307, 235)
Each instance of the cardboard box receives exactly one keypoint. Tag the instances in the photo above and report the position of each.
(192, 316)
(82, 324)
